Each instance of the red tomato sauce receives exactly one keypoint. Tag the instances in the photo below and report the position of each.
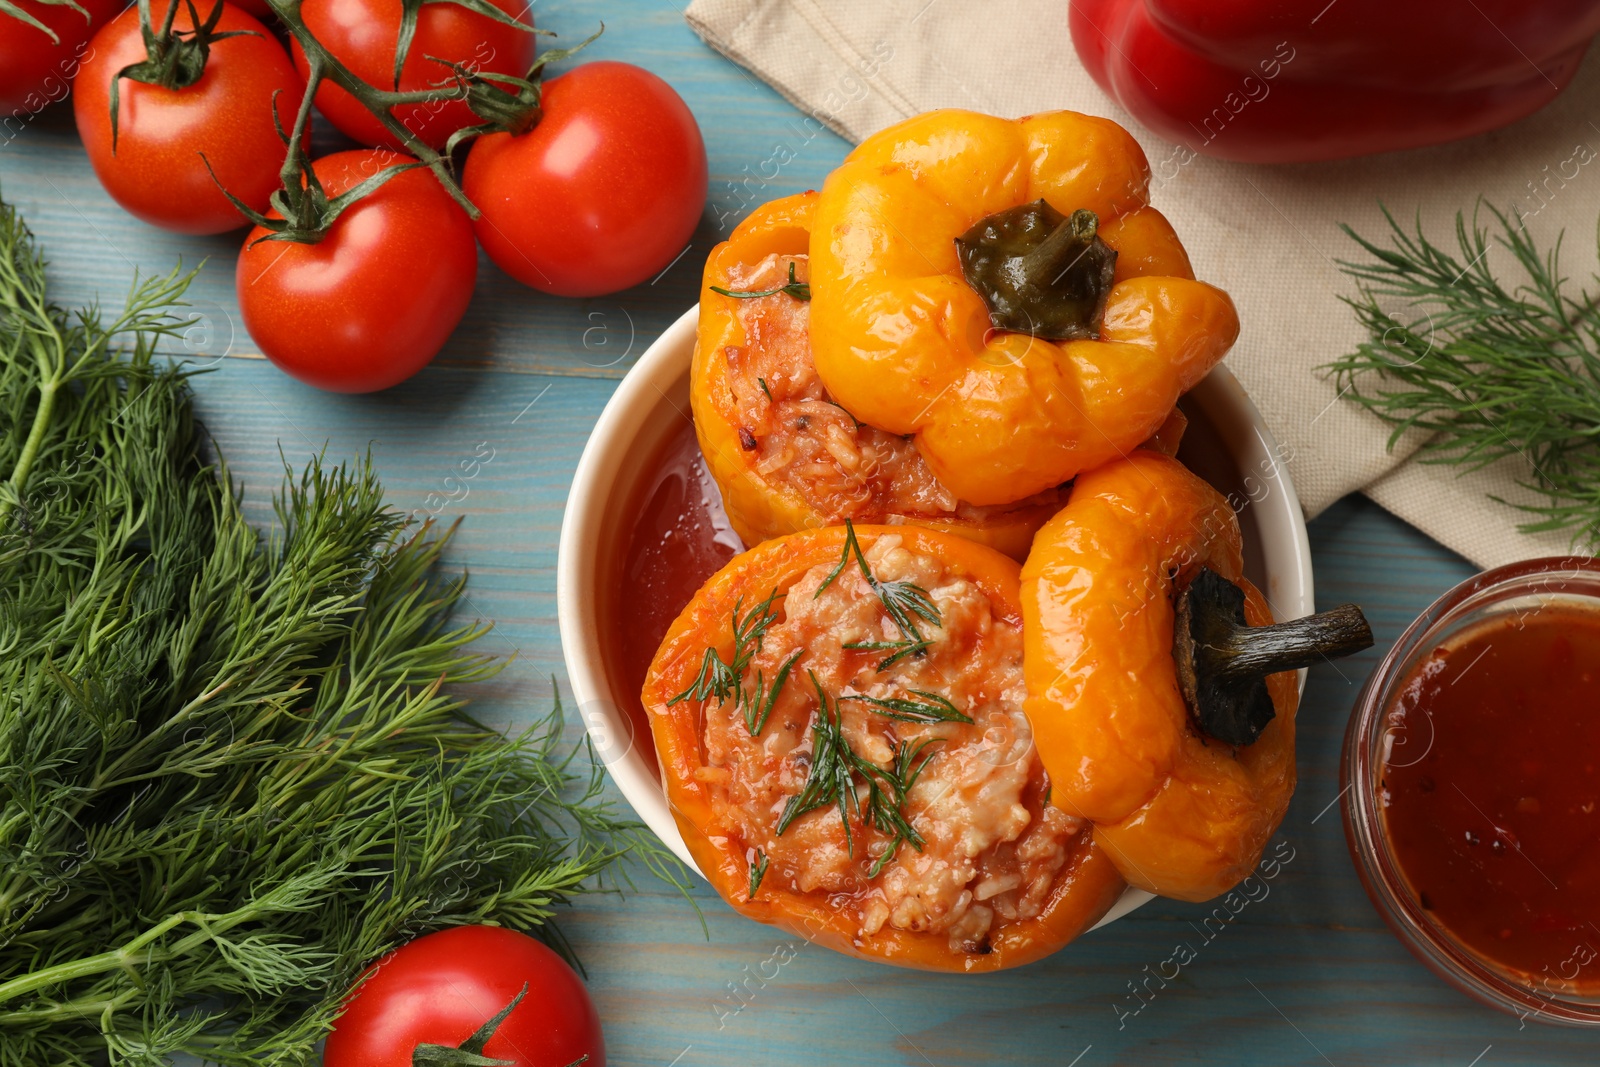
(1491, 793)
(680, 537)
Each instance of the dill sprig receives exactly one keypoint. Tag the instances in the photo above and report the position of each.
(759, 707)
(926, 708)
(887, 792)
(831, 782)
(720, 679)
(828, 781)
(797, 289)
(904, 602)
(758, 871)
(233, 768)
(1487, 369)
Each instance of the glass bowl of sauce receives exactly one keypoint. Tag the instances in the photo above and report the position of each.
(1472, 788)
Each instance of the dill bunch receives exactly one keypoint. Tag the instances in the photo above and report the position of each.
(232, 770)
(1486, 368)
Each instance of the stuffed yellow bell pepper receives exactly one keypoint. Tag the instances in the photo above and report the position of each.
(1162, 698)
(1002, 291)
(786, 456)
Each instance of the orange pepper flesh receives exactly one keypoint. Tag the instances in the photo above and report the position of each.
(762, 506)
(1181, 815)
(1083, 890)
(903, 342)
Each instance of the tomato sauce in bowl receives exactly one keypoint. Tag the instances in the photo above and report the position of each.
(1496, 824)
(679, 538)
(1472, 788)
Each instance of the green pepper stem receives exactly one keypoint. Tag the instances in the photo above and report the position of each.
(1039, 271)
(1056, 254)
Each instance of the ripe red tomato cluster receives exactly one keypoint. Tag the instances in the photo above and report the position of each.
(600, 195)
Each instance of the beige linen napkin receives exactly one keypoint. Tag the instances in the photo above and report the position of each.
(1269, 235)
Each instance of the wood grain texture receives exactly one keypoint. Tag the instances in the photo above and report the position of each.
(1304, 975)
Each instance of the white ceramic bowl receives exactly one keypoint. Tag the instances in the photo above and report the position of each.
(1226, 443)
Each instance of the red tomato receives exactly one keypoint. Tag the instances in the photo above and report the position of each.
(372, 302)
(440, 988)
(363, 35)
(602, 193)
(34, 71)
(156, 171)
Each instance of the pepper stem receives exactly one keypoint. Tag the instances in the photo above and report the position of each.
(1040, 272)
(1058, 253)
(1223, 662)
(1257, 651)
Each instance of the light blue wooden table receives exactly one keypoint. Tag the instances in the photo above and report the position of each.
(1305, 975)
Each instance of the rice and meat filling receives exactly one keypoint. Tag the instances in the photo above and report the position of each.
(802, 439)
(990, 844)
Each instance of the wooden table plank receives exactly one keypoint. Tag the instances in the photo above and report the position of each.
(1304, 975)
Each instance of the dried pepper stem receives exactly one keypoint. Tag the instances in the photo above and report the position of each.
(1223, 661)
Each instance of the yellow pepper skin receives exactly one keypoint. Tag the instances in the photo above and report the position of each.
(1181, 815)
(762, 506)
(905, 343)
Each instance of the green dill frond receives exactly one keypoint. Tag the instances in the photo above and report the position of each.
(903, 602)
(1485, 368)
(921, 706)
(835, 769)
(234, 767)
(721, 679)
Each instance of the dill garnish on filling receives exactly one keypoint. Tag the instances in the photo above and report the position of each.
(836, 773)
(832, 783)
(904, 602)
(722, 679)
(797, 289)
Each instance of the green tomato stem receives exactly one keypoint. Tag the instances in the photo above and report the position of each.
(322, 64)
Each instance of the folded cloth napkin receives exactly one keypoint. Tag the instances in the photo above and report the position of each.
(1269, 235)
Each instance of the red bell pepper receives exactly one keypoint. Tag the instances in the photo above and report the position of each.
(1277, 81)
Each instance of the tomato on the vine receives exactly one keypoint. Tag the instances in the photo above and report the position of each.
(364, 36)
(602, 193)
(439, 989)
(156, 167)
(36, 71)
(375, 299)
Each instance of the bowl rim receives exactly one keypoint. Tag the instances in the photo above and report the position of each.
(1359, 765)
(651, 377)
(642, 389)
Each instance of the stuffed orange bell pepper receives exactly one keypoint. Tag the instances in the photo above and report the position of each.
(839, 719)
(1002, 291)
(1162, 698)
(785, 455)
